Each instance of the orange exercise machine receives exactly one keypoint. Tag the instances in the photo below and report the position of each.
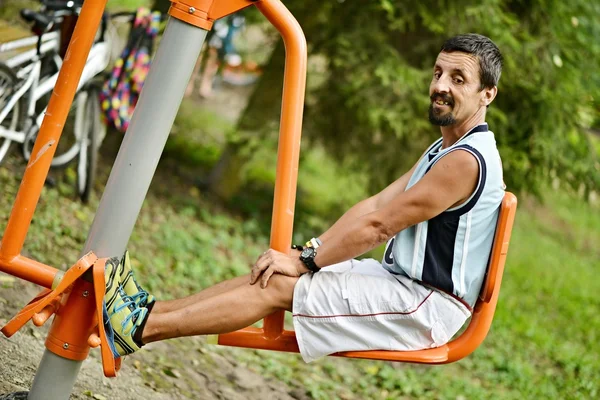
(75, 296)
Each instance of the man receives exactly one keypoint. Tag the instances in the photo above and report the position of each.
(438, 219)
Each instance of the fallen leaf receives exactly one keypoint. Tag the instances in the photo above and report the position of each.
(172, 372)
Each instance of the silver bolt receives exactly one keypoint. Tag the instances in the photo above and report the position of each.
(66, 346)
(86, 293)
(192, 10)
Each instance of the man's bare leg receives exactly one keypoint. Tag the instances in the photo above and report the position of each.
(232, 309)
(221, 287)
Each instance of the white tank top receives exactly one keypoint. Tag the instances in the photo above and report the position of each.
(451, 251)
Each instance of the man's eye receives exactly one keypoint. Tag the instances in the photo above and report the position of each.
(458, 81)
(437, 75)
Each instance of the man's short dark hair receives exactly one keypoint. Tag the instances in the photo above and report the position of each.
(488, 54)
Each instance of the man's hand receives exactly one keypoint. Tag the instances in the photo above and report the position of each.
(273, 262)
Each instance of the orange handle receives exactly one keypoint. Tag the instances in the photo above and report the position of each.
(40, 318)
(110, 365)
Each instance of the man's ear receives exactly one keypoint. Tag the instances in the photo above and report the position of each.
(488, 95)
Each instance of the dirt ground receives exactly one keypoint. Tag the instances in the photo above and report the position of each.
(177, 369)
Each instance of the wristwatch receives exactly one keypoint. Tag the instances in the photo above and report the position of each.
(308, 258)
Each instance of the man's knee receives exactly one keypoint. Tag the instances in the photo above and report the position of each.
(281, 288)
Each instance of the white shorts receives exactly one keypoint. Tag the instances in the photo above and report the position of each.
(358, 305)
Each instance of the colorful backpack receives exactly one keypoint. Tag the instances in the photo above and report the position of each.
(122, 89)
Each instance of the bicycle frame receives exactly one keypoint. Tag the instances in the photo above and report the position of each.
(49, 41)
(97, 62)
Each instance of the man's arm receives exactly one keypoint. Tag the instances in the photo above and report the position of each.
(368, 205)
(449, 183)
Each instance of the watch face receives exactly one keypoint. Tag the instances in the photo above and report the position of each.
(307, 252)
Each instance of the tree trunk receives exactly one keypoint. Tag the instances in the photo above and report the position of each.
(161, 5)
(264, 107)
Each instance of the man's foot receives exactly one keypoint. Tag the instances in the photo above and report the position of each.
(130, 285)
(124, 317)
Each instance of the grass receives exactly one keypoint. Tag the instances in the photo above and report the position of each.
(543, 343)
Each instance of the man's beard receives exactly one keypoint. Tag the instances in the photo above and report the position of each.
(440, 120)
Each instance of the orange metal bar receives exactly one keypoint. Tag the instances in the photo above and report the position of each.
(30, 270)
(79, 321)
(51, 129)
(202, 13)
(48, 297)
(290, 131)
(73, 323)
(254, 338)
(273, 336)
(483, 314)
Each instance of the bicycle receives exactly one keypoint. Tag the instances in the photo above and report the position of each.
(27, 79)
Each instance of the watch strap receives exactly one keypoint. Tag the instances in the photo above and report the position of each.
(315, 243)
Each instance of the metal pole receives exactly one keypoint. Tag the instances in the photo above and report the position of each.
(145, 139)
(55, 378)
(131, 175)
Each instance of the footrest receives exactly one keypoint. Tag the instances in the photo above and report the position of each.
(110, 364)
(46, 296)
(47, 301)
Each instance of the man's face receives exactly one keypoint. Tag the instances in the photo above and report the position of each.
(455, 89)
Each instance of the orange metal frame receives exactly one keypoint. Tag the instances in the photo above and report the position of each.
(64, 293)
(68, 296)
(11, 260)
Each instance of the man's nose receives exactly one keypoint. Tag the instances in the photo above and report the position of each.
(442, 85)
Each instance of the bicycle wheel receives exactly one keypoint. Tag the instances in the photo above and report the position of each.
(93, 131)
(8, 86)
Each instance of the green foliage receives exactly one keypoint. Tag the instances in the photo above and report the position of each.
(197, 136)
(325, 188)
(12, 26)
(325, 191)
(372, 106)
(122, 5)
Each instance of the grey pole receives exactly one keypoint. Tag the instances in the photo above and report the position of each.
(131, 175)
(145, 139)
(61, 375)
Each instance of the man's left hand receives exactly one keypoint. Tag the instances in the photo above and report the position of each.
(274, 262)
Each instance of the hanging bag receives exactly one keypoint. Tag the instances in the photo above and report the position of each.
(121, 91)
